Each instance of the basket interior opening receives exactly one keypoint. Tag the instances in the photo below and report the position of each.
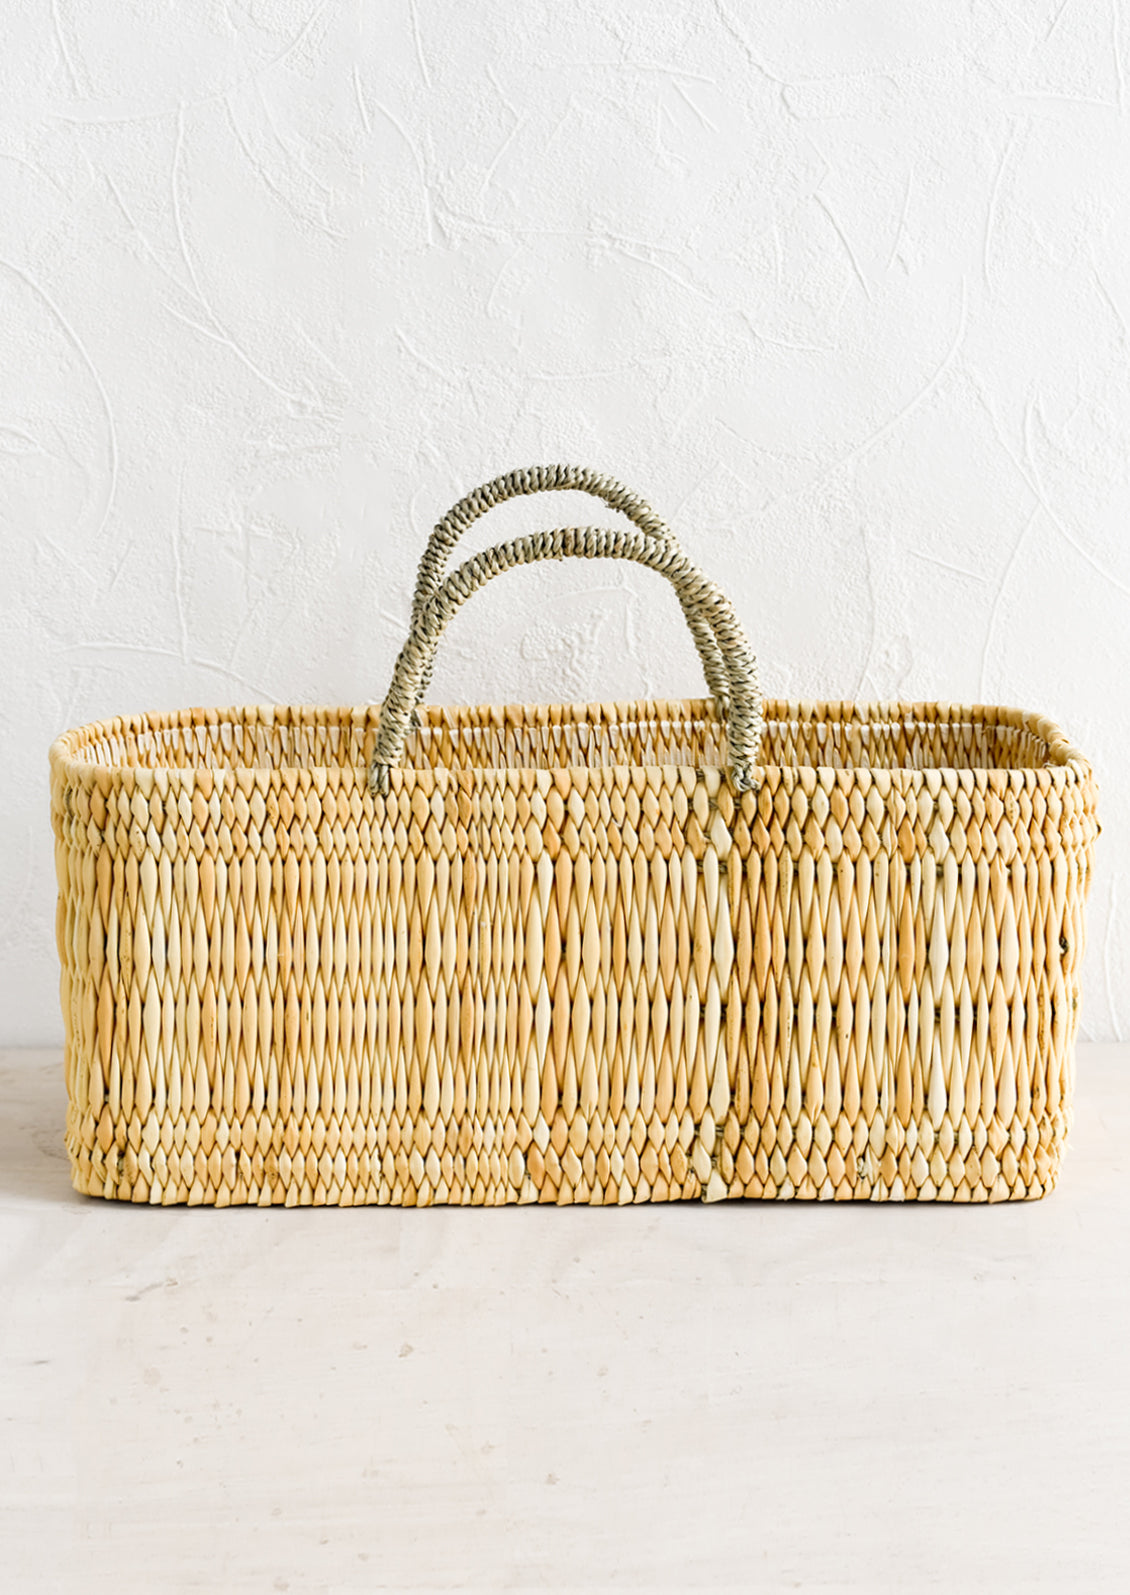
(465, 739)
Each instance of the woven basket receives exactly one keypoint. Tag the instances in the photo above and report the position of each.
(590, 953)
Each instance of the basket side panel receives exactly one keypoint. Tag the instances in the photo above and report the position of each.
(913, 1006)
(604, 986)
(80, 943)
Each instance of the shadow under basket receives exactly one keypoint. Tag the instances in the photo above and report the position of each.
(565, 958)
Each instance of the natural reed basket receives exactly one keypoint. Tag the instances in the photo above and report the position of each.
(590, 953)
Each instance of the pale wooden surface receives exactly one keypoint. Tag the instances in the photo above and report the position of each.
(741, 1396)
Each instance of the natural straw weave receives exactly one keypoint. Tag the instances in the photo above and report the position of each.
(565, 957)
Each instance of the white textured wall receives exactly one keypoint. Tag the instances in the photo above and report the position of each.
(841, 288)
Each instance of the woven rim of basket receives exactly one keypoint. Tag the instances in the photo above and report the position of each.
(1064, 762)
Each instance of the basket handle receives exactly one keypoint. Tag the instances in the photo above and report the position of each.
(548, 479)
(744, 721)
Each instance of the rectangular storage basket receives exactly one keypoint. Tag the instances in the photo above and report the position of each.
(563, 960)
(566, 957)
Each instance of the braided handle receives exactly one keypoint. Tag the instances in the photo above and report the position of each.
(744, 722)
(547, 479)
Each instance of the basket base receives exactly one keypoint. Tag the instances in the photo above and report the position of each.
(230, 1175)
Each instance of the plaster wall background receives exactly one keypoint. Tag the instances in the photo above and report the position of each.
(841, 289)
